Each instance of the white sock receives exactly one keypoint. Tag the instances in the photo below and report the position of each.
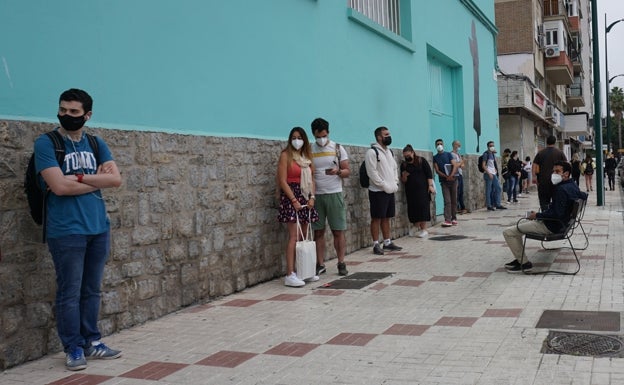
(387, 242)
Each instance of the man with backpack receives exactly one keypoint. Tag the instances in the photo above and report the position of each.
(489, 169)
(331, 165)
(383, 176)
(77, 226)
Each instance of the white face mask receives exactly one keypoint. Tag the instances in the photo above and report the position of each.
(458, 148)
(322, 141)
(440, 148)
(297, 143)
(492, 148)
(556, 179)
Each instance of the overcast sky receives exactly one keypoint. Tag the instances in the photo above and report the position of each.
(614, 10)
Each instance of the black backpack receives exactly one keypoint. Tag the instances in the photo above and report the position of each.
(364, 180)
(589, 168)
(480, 163)
(36, 196)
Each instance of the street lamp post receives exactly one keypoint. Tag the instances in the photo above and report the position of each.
(597, 125)
(607, 86)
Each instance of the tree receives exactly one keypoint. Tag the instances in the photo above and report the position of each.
(616, 99)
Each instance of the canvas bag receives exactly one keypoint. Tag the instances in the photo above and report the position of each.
(305, 253)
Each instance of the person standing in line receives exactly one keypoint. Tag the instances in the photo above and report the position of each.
(514, 168)
(446, 167)
(295, 177)
(490, 177)
(576, 168)
(542, 169)
(504, 169)
(77, 227)
(527, 167)
(331, 166)
(417, 177)
(587, 168)
(609, 168)
(384, 182)
(461, 207)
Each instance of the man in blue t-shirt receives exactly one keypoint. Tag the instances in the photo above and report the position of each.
(445, 166)
(77, 227)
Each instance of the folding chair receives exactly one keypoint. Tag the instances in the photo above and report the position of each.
(574, 222)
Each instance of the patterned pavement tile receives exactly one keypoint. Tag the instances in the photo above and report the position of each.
(226, 359)
(351, 339)
(406, 330)
(154, 370)
(292, 349)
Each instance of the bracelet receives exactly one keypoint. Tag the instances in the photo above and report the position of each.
(79, 176)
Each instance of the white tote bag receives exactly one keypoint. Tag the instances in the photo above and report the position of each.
(305, 253)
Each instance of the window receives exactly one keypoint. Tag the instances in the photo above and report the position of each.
(572, 7)
(552, 37)
(383, 12)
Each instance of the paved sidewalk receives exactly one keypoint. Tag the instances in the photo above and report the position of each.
(449, 314)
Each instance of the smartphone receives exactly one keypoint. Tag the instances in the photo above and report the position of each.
(328, 171)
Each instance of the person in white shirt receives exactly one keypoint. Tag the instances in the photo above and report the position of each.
(384, 182)
(331, 165)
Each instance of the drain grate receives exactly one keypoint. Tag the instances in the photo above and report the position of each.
(583, 344)
(604, 321)
(447, 237)
(356, 280)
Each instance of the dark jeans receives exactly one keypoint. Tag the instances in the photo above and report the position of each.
(511, 188)
(460, 192)
(79, 263)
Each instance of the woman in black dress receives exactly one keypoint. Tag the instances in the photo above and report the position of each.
(576, 168)
(418, 180)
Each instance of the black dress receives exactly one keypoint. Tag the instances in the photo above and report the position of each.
(576, 170)
(417, 190)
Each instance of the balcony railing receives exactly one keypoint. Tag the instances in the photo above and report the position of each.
(383, 12)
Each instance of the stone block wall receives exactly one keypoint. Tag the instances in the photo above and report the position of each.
(195, 219)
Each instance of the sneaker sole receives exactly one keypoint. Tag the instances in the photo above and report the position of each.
(104, 358)
(75, 368)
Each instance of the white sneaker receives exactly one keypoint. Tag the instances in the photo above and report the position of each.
(423, 234)
(292, 280)
(412, 232)
(312, 279)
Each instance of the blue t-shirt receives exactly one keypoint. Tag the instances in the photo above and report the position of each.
(73, 214)
(442, 159)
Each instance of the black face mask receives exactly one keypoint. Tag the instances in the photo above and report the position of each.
(387, 140)
(409, 159)
(71, 123)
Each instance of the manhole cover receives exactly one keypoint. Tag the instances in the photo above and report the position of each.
(447, 237)
(356, 280)
(583, 344)
(348, 284)
(366, 275)
(604, 321)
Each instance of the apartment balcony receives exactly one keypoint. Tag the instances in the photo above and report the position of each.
(558, 67)
(577, 124)
(574, 96)
(555, 9)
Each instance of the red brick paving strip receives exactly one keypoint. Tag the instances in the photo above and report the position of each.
(380, 260)
(502, 313)
(456, 321)
(154, 370)
(292, 349)
(379, 286)
(353, 263)
(226, 359)
(476, 274)
(81, 379)
(408, 282)
(410, 256)
(351, 339)
(329, 292)
(241, 302)
(406, 330)
(443, 278)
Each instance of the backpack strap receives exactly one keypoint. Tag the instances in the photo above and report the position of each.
(377, 152)
(338, 153)
(59, 146)
(95, 147)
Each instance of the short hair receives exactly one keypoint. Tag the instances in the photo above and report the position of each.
(514, 153)
(567, 167)
(378, 130)
(408, 148)
(488, 143)
(438, 140)
(76, 95)
(506, 151)
(551, 140)
(319, 124)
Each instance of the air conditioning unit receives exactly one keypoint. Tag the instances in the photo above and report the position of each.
(552, 51)
(550, 112)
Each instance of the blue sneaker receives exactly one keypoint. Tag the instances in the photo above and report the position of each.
(102, 351)
(75, 359)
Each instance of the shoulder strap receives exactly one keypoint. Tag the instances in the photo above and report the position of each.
(59, 146)
(95, 147)
(338, 153)
(376, 152)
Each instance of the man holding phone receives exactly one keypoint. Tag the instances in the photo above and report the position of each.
(331, 164)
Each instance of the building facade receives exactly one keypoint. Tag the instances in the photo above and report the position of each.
(196, 99)
(545, 80)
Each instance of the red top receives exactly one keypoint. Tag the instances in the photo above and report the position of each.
(294, 173)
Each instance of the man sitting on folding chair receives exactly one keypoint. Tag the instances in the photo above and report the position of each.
(551, 221)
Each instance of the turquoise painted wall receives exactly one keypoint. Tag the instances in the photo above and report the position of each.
(242, 68)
